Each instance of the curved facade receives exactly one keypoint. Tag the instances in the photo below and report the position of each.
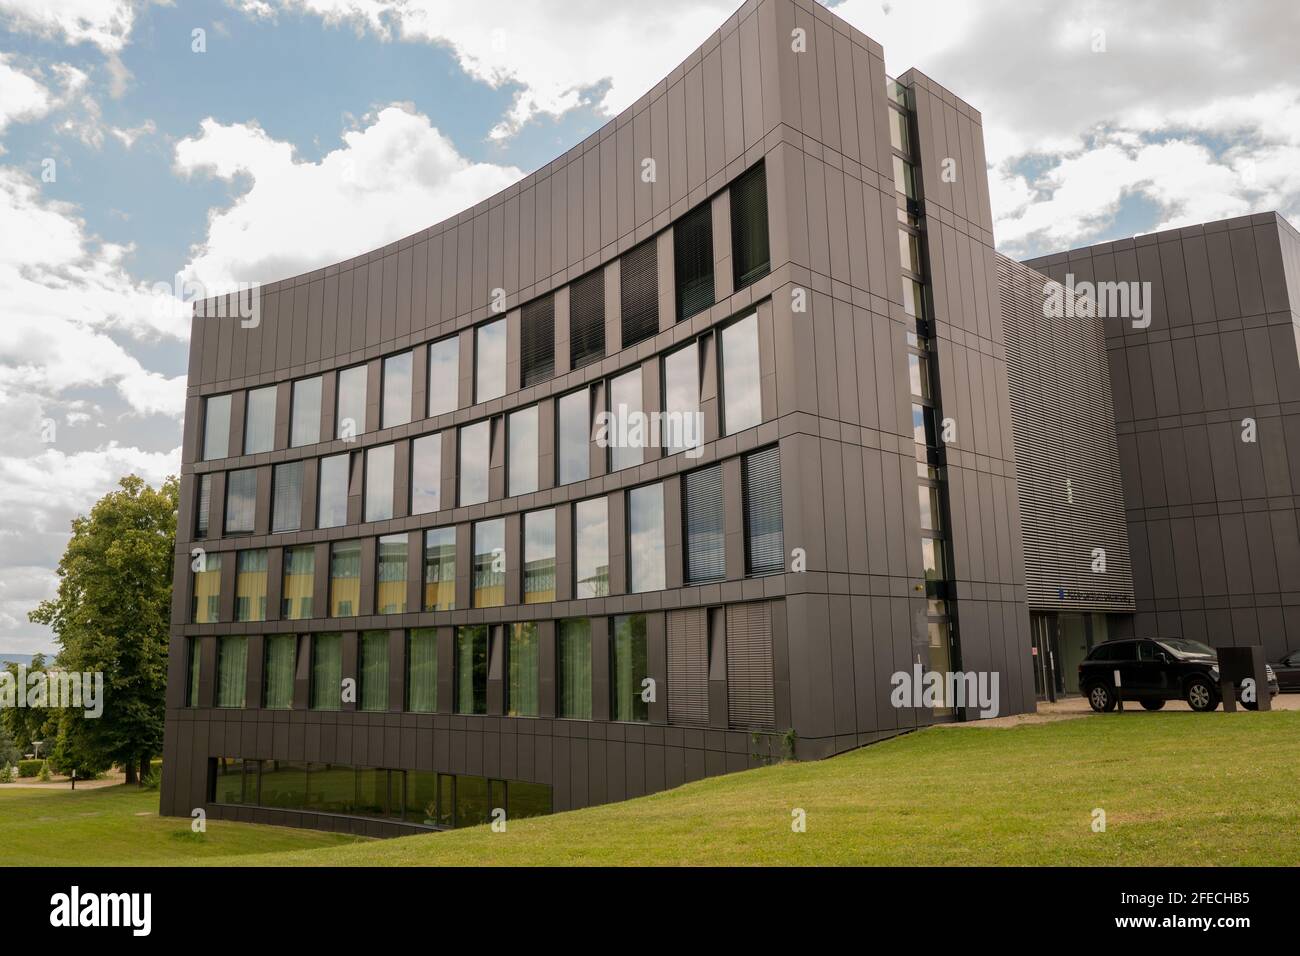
(419, 585)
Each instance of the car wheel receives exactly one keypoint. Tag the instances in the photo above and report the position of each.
(1152, 704)
(1200, 695)
(1100, 698)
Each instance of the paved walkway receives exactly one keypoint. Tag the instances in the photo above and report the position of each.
(1071, 708)
(58, 782)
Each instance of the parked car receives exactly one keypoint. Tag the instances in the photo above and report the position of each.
(1288, 673)
(1152, 672)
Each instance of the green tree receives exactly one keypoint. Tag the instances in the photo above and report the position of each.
(112, 616)
(24, 725)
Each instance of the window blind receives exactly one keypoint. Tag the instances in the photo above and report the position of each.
(587, 319)
(287, 498)
(688, 667)
(705, 535)
(537, 340)
(749, 246)
(693, 258)
(749, 666)
(761, 474)
(204, 508)
(639, 269)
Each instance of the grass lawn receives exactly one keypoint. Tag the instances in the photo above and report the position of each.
(120, 826)
(1177, 788)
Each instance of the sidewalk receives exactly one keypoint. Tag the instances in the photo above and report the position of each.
(58, 782)
(1070, 708)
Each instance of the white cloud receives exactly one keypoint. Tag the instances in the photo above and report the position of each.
(21, 97)
(391, 178)
(105, 23)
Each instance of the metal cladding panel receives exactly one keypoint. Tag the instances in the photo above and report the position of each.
(1067, 458)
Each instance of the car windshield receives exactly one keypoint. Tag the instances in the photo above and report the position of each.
(1185, 648)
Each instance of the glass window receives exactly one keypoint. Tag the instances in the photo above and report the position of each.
(929, 498)
(280, 660)
(522, 456)
(638, 272)
(390, 576)
(918, 375)
(206, 607)
(909, 250)
(203, 507)
(299, 583)
(372, 669)
(471, 669)
(193, 650)
(904, 181)
(628, 668)
(259, 420)
(472, 801)
(702, 499)
(523, 657)
(693, 254)
(397, 390)
(305, 415)
(422, 671)
(537, 341)
(932, 559)
(587, 319)
(575, 436)
(626, 443)
(326, 671)
(475, 462)
(645, 508)
(284, 784)
(898, 137)
(742, 401)
(591, 548)
(250, 585)
(216, 427)
(241, 501)
(749, 245)
(379, 482)
(345, 579)
(573, 668)
(350, 420)
(923, 432)
(913, 298)
(490, 563)
(332, 503)
(426, 474)
(232, 670)
(539, 556)
(440, 569)
(683, 427)
(233, 782)
(286, 497)
(490, 361)
(764, 535)
(444, 376)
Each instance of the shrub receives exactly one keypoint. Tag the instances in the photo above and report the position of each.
(8, 774)
(45, 771)
(30, 768)
(154, 778)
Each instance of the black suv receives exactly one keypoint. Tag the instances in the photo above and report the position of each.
(1154, 671)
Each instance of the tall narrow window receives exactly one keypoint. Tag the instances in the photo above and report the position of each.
(591, 548)
(426, 474)
(203, 507)
(645, 520)
(241, 501)
(539, 556)
(232, 670)
(390, 575)
(490, 563)
(299, 583)
(422, 670)
(379, 482)
(194, 650)
(345, 579)
(537, 340)
(305, 414)
(471, 669)
(628, 668)
(332, 496)
(688, 666)
(742, 401)
(440, 569)
(749, 666)
(693, 253)
(587, 319)
(490, 361)
(396, 408)
(206, 590)
(624, 433)
(523, 660)
(444, 376)
(575, 436)
(475, 446)
(372, 669)
(573, 669)
(639, 272)
(216, 427)
(286, 497)
(281, 659)
(250, 585)
(749, 247)
(764, 542)
(702, 494)
(259, 420)
(326, 671)
(682, 424)
(522, 453)
(350, 418)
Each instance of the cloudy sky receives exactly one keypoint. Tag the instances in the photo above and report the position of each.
(128, 158)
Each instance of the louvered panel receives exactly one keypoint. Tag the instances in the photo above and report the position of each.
(749, 242)
(286, 511)
(204, 510)
(749, 666)
(537, 341)
(693, 261)
(639, 271)
(688, 666)
(587, 319)
(1063, 428)
(706, 558)
(764, 541)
